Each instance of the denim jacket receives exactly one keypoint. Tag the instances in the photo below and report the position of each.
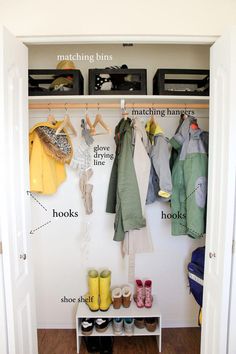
(160, 184)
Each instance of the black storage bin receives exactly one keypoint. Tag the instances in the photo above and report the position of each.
(41, 79)
(123, 81)
(188, 82)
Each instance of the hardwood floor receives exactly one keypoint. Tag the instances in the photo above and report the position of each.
(174, 341)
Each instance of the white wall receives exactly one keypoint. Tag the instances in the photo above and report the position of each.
(149, 17)
(65, 249)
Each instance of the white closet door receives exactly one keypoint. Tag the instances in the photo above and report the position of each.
(221, 196)
(14, 207)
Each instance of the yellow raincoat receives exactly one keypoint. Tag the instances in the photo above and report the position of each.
(46, 173)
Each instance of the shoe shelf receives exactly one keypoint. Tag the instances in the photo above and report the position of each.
(109, 332)
(133, 311)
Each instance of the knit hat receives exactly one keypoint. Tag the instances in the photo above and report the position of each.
(60, 82)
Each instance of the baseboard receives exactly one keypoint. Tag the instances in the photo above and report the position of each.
(178, 324)
(55, 326)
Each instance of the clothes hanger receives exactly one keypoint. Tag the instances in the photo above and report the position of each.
(88, 121)
(152, 121)
(51, 118)
(184, 115)
(125, 114)
(66, 124)
(99, 120)
(194, 125)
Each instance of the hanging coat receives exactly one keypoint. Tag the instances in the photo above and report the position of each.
(139, 240)
(123, 193)
(160, 184)
(189, 178)
(46, 170)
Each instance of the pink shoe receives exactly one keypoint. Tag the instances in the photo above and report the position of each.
(148, 294)
(139, 299)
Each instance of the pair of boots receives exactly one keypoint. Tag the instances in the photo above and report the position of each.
(143, 296)
(99, 295)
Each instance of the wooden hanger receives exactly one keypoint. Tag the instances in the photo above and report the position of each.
(66, 124)
(99, 120)
(88, 121)
(152, 121)
(51, 118)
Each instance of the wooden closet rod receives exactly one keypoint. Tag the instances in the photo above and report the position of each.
(117, 105)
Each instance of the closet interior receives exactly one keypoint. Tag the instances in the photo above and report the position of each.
(77, 236)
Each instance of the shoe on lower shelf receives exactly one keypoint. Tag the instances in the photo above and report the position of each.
(106, 345)
(92, 344)
(87, 325)
(139, 322)
(101, 324)
(129, 326)
(151, 324)
(117, 325)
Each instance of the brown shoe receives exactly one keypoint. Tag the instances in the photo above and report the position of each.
(151, 324)
(139, 322)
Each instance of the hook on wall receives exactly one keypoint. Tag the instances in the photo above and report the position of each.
(122, 104)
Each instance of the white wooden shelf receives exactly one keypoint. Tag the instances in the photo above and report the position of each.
(133, 311)
(118, 98)
(109, 332)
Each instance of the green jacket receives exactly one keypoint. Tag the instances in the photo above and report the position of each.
(189, 179)
(123, 193)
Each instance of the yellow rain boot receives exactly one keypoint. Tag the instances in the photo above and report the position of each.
(93, 293)
(105, 293)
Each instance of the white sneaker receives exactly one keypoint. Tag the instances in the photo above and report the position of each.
(117, 325)
(129, 326)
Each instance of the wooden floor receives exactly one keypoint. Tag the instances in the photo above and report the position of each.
(174, 341)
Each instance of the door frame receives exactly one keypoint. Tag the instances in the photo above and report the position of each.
(116, 39)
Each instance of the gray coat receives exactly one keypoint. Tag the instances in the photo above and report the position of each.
(160, 175)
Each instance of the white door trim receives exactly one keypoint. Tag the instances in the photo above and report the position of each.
(111, 39)
(15, 204)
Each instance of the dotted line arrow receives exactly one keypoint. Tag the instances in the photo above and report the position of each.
(29, 193)
(192, 191)
(32, 231)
